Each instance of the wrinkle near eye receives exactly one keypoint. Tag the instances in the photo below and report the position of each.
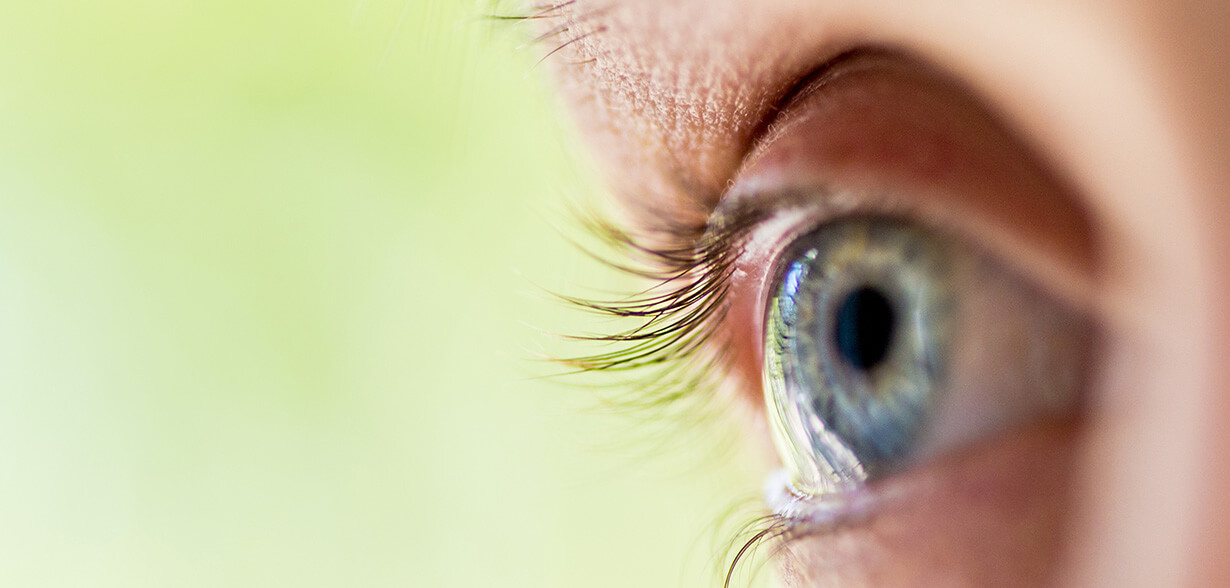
(671, 93)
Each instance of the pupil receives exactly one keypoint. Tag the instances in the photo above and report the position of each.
(865, 325)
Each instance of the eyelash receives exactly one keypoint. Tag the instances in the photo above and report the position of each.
(572, 20)
(675, 319)
(666, 359)
(667, 355)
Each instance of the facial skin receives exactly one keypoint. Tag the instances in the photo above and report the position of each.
(1122, 111)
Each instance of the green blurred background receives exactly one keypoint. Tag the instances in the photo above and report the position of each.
(265, 271)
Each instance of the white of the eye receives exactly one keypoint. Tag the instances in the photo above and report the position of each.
(1017, 354)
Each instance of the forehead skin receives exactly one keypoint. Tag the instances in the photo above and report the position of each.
(1128, 99)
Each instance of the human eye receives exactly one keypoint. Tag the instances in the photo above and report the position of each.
(891, 334)
(902, 289)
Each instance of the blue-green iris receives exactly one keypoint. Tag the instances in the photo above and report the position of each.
(856, 345)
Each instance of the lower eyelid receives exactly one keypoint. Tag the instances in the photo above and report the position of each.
(960, 504)
(971, 475)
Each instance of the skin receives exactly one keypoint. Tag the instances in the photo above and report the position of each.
(1121, 110)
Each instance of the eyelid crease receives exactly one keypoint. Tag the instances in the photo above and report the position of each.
(803, 87)
(886, 133)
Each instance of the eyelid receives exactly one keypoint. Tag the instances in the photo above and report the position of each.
(885, 134)
(853, 140)
(790, 211)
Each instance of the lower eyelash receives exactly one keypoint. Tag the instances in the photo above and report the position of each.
(743, 548)
(790, 519)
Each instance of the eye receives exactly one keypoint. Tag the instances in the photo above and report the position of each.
(916, 288)
(886, 342)
(902, 289)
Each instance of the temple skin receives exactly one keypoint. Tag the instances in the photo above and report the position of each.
(1129, 102)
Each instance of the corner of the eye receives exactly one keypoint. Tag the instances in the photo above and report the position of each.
(816, 513)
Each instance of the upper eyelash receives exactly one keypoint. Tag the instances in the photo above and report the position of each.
(675, 318)
(669, 355)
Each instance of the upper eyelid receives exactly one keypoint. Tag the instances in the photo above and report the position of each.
(782, 90)
(717, 239)
(808, 206)
(1024, 213)
(802, 87)
(787, 205)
